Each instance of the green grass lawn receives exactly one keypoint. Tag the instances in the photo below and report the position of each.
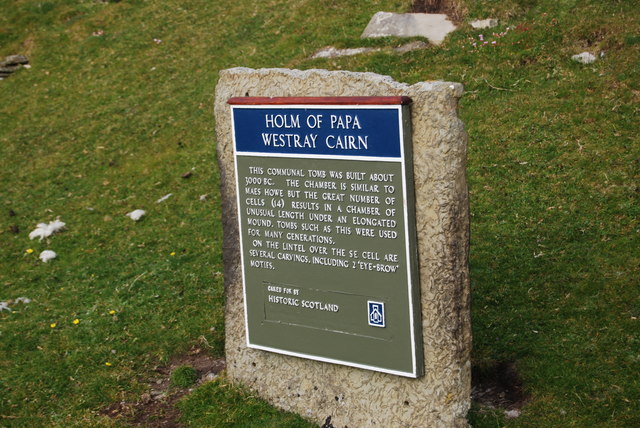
(117, 108)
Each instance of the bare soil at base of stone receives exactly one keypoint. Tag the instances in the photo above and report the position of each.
(157, 408)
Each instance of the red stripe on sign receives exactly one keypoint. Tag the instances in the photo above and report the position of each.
(319, 100)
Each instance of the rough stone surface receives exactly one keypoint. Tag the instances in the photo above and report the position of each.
(484, 23)
(349, 396)
(433, 26)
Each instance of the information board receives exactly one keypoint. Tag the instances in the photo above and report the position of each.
(327, 229)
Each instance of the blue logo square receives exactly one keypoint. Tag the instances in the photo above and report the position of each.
(376, 313)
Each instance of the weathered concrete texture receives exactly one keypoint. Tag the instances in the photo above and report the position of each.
(354, 397)
(433, 26)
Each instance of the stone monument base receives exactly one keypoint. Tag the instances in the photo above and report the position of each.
(353, 397)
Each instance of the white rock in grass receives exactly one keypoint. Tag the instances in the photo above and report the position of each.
(24, 300)
(164, 198)
(44, 230)
(512, 414)
(47, 255)
(4, 306)
(211, 376)
(136, 214)
(584, 58)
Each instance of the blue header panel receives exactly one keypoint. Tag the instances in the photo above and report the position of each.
(331, 131)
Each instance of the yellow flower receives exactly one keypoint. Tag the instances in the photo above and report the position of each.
(29, 251)
(53, 325)
(108, 364)
(112, 312)
(173, 253)
(76, 321)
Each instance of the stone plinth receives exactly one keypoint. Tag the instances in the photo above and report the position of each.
(349, 396)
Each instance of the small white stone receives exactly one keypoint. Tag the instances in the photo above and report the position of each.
(24, 300)
(136, 214)
(4, 306)
(157, 395)
(512, 414)
(584, 58)
(203, 197)
(47, 255)
(209, 377)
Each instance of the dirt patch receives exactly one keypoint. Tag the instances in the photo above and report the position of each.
(157, 408)
(498, 385)
(454, 9)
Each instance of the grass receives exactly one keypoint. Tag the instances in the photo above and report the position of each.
(184, 377)
(105, 124)
(217, 404)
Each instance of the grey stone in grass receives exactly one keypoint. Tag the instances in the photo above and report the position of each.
(432, 26)
(411, 46)
(484, 23)
(13, 60)
(11, 64)
(7, 71)
(331, 52)
(8, 68)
